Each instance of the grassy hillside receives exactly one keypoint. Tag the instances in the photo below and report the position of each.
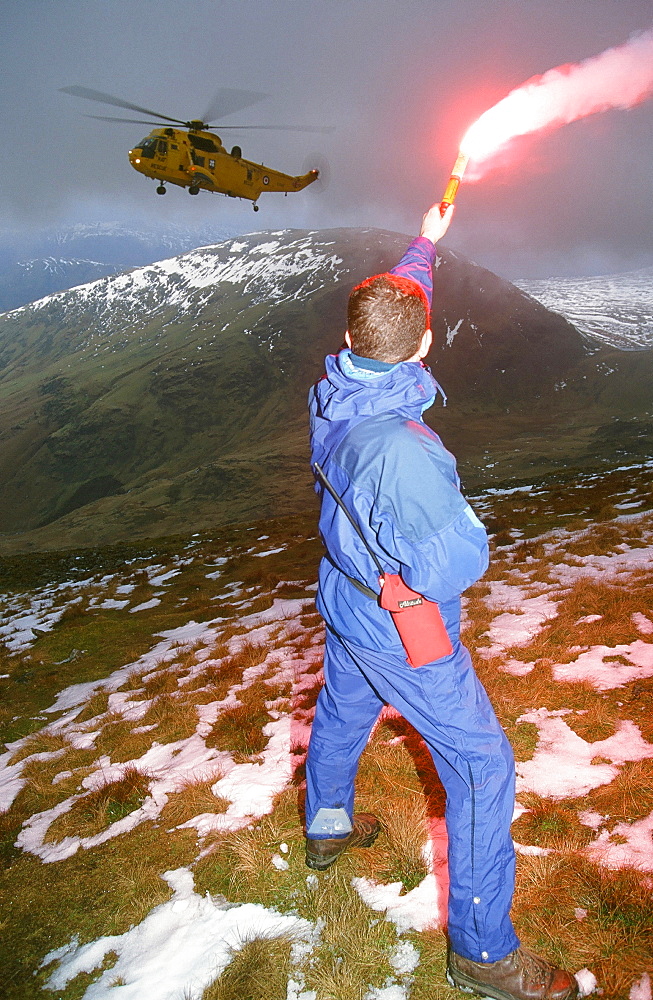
(156, 713)
(174, 396)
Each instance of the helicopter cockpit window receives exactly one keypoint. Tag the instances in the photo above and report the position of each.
(148, 147)
(197, 160)
(163, 147)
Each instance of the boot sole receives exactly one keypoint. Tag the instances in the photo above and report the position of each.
(320, 864)
(468, 985)
(471, 986)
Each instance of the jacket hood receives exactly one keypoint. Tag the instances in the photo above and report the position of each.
(347, 391)
(347, 395)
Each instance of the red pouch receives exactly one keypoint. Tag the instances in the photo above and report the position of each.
(418, 621)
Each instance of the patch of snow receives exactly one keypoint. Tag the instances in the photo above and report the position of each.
(152, 603)
(251, 788)
(418, 909)
(531, 849)
(391, 991)
(451, 332)
(600, 668)
(635, 852)
(586, 982)
(590, 818)
(562, 764)
(518, 627)
(156, 581)
(616, 309)
(642, 623)
(404, 959)
(179, 949)
(641, 990)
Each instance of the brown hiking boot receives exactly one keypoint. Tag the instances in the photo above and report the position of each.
(322, 853)
(521, 975)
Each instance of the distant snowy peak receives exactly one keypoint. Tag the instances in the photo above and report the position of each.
(268, 267)
(616, 309)
(36, 264)
(58, 265)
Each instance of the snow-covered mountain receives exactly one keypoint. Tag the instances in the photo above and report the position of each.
(267, 269)
(616, 309)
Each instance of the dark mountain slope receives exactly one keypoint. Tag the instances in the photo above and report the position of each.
(174, 396)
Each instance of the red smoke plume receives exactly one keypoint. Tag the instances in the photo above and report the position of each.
(617, 78)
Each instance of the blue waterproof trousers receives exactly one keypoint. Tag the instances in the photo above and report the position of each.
(448, 706)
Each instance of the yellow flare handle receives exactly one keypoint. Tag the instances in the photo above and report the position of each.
(454, 182)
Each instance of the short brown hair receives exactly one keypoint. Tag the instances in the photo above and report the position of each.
(387, 317)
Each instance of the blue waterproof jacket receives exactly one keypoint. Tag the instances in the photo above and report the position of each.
(400, 484)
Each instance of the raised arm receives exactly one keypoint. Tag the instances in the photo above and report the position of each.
(417, 262)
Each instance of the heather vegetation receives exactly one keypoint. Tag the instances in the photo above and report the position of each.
(156, 709)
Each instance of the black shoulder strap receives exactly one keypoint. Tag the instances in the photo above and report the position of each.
(319, 472)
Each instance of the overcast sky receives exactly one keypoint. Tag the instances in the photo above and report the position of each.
(399, 80)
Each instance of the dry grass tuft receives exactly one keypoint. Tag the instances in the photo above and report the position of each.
(193, 800)
(117, 741)
(164, 681)
(98, 809)
(250, 654)
(175, 717)
(42, 742)
(599, 540)
(96, 705)
(552, 824)
(397, 856)
(430, 982)
(134, 682)
(223, 675)
(259, 970)
(629, 796)
(598, 722)
(141, 889)
(239, 730)
(614, 937)
(354, 944)
(219, 677)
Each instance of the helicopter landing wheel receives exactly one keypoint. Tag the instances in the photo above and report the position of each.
(160, 189)
(193, 189)
(255, 207)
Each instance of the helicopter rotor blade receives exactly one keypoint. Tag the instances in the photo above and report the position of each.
(279, 128)
(129, 121)
(227, 101)
(101, 98)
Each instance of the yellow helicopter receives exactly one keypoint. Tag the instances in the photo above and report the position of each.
(193, 157)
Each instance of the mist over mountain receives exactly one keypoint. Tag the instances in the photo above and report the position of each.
(173, 396)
